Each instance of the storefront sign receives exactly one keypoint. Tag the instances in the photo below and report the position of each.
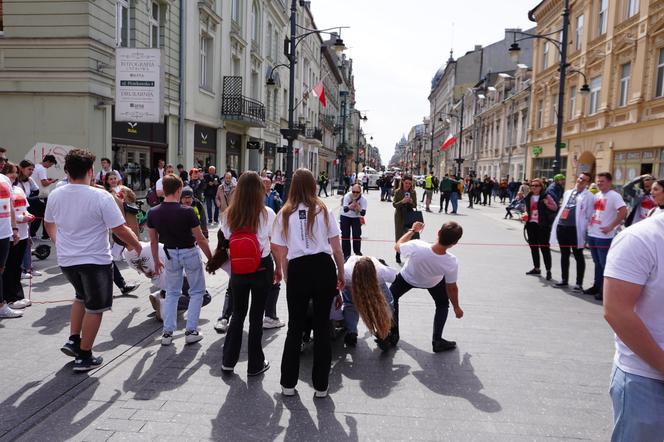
(205, 137)
(253, 145)
(148, 133)
(138, 85)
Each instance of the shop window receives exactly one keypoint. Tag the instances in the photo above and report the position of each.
(543, 167)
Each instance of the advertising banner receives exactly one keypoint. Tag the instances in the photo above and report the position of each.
(138, 85)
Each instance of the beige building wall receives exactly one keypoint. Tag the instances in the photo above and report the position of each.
(623, 132)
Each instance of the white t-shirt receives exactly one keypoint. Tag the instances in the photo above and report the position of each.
(82, 215)
(28, 186)
(144, 263)
(385, 274)
(40, 173)
(351, 213)
(299, 242)
(6, 192)
(21, 212)
(424, 268)
(263, 234)
(637, 256)
(606, 210)
(534, 211)
(160, 185)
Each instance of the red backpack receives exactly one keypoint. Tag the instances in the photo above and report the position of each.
(245, 252)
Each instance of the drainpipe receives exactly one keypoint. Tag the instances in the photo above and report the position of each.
(182, 89)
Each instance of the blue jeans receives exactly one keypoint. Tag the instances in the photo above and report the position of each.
(183, 261)
(454, 199)
(212, 205)
(351, 316)
(599, 249)
(638, 407)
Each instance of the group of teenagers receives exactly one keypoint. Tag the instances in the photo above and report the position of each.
(578, 218)
(299, 245)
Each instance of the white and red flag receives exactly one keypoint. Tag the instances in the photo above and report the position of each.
(319, 92)
(451, 139)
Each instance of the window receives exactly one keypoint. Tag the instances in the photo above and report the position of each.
(2, 25)
(660, 74)
(207, 44)
(632, 7)
(603, 16)
(122, 23)
(545, 55)
(235, 11)
(572, 103)
(579, 32)
(269, 43)
(255, 23)
(625, 74)
(154, 26)
(540, 114)
(554, 108)
(595, 88)
(275, 48)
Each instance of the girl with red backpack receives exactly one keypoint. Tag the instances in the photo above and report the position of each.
(247, 224)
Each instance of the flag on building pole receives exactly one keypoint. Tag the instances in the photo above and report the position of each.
(319, 92)
(451, 139)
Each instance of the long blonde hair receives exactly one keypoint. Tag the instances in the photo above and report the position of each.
(368, 298)
(247, 204)
(303, 191)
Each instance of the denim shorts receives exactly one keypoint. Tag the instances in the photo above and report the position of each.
(93, 284)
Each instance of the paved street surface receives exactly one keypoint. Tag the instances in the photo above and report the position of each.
(532, 363)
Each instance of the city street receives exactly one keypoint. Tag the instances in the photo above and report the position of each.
(532, 362)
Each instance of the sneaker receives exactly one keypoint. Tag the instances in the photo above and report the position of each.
(87, 364)
(222, 325)
(155, 300)
(548, 275)
(578, 288)
(266, 367)
(20, 304)
(129, 288)
(591, 291)
(35, 273)
(287, 391)
(441, 345)
(383, 344)
(561, 284)
(71, 348)
(350, 339)
(534, 272)
(26, 275)
(320, 394)
(167, 338)
(192, 336)
(269, 323)
(225, 369)
(8, 312)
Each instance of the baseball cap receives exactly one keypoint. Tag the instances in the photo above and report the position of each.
(187, 191)
(559, 177)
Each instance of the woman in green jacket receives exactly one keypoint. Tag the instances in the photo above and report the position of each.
(405, 200)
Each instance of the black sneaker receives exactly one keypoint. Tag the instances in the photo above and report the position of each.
(534, 272)
(599, 296)
(591, 291)
(71, 348)
(578, 288)
(87, 364)
(266, 367)
(350, 339)
(548, 275)
(383, 344)
(561, 284)
(129, 288)
(441, 345)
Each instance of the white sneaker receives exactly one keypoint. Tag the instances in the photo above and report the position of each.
(192, 336)
(167, 338)
(287, 391)
(35, 273)
(222, 325)
(155, 300)
(26, 275)
(20, 304)
(269, 323)
(7, 312)
(320, 394)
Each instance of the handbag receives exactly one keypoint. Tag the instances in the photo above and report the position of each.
(362, 221)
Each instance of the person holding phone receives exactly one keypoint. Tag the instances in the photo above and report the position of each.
(404, 201)
(353, 209)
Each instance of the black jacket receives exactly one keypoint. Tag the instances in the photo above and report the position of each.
(546, 215)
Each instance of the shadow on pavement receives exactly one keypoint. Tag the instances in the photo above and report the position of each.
(124, 334)
(301, 425)
(55, 320)
(445, 374)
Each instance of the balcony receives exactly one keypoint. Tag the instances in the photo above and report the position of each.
(313, 133)
(236, 107)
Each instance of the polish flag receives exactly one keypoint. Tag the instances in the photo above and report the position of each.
(451, 139)
(319, 92)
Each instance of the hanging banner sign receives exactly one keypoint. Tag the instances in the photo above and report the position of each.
(138, 85)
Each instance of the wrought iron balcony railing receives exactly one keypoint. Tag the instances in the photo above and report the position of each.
(235, 106)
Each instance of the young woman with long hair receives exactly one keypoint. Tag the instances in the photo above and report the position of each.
(305, 238)
(541, 209)
(367, 296)
(247, 213)
(658, 194)
(404, 200)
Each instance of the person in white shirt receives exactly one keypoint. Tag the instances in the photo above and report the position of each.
(367, 295)
(78, 218)
(634, 307)
(247, 212)
(431, 267)
(658, 196)
(610, 211)
(353, 208)
(8, 232)
(569, 229)
(46, 185)
(105, 169)
(159, 187)
(305, 239)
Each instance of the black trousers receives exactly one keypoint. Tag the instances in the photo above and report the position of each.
(309, 277)
(347, 224)
(444, 197)
(538, 238)
(11, 277)
(439, 295)
(118, 280)
(37, 208)
(258, 284)
(568, 246)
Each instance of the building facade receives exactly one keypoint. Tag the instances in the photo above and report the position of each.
(617, 48)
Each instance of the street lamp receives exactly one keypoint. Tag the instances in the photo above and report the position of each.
(459, 118)
(290, 46)
(357, 148)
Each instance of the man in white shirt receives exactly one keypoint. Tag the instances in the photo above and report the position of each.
(8, 232)
(431, 267)
(105, 169)
(84, 252)
(159, 187)
(353, 208)
(634, 307)
(40, 175)
(610, 211)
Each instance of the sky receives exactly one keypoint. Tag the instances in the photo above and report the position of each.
(398, 45)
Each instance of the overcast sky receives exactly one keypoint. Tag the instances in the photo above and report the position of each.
(398, 45)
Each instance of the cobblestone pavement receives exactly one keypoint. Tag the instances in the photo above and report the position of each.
(532, 363)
